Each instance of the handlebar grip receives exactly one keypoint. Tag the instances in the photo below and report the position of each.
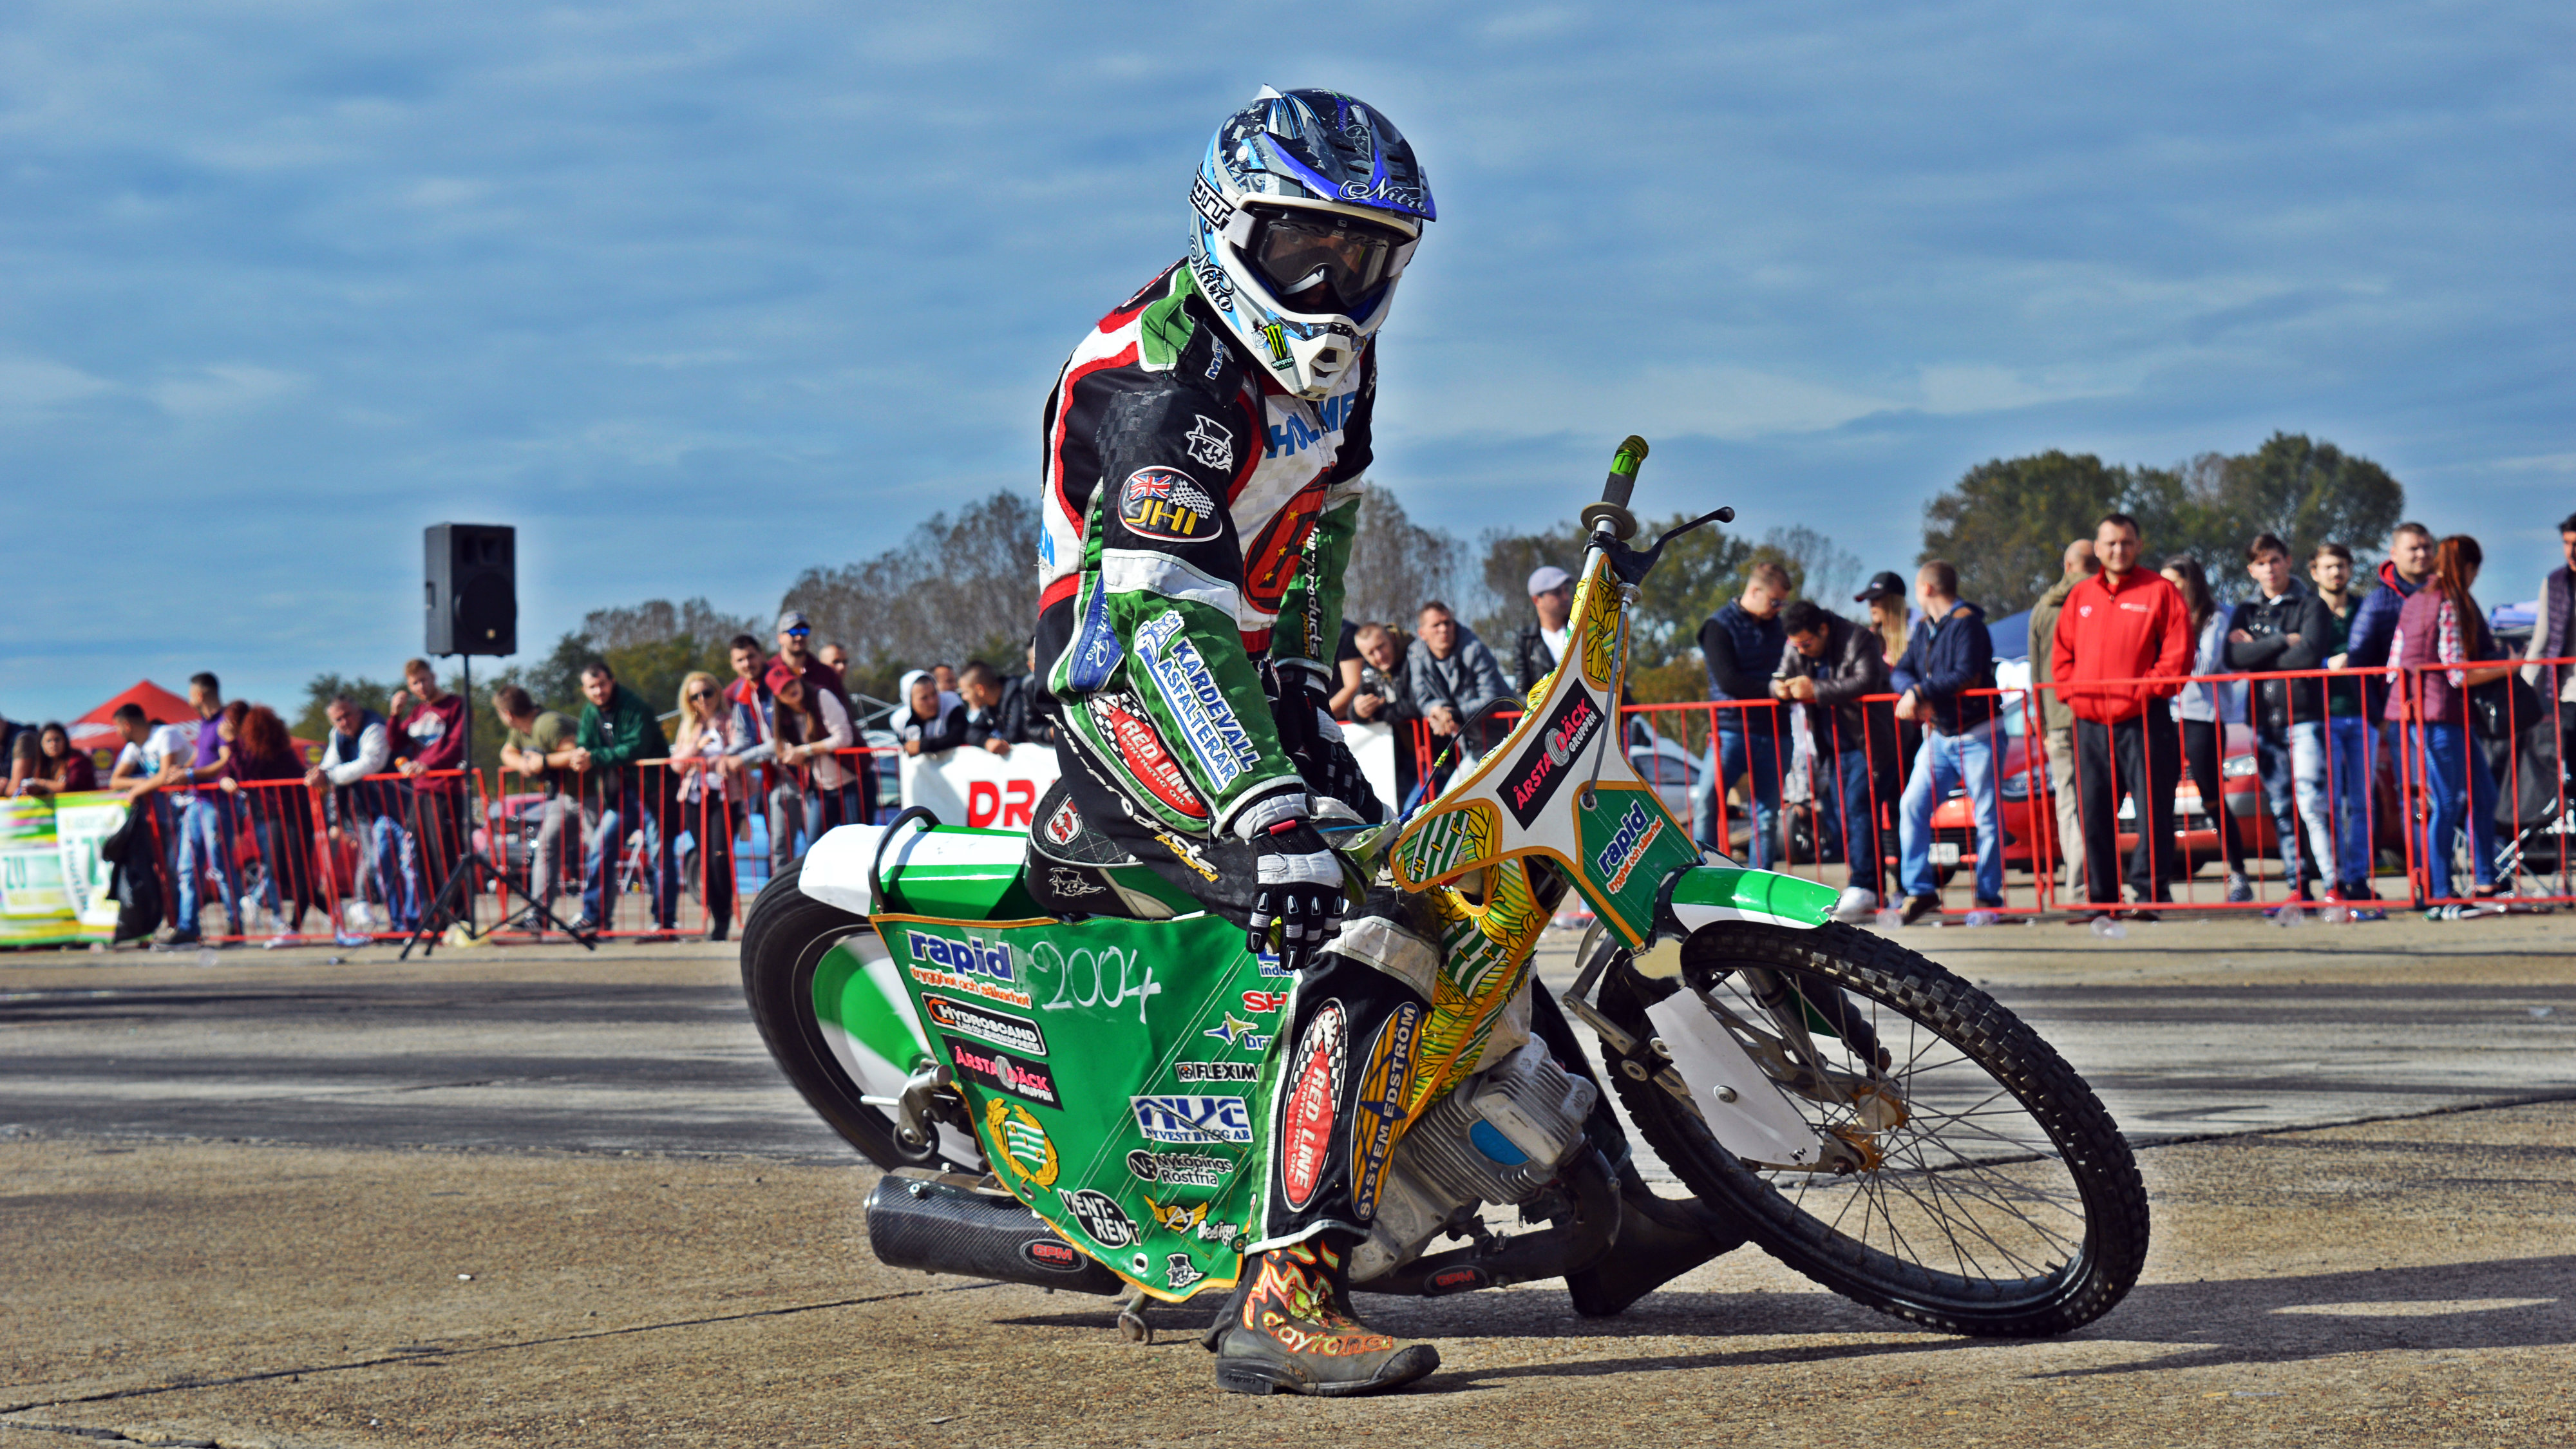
(1623, 471)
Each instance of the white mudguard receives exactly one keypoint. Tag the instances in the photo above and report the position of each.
(1760, 1125)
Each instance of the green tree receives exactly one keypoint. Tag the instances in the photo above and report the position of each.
(2006, 523)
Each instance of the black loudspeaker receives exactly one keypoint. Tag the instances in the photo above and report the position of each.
(473, 588)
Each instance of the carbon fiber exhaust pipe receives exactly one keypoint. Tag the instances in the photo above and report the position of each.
(915, 1222)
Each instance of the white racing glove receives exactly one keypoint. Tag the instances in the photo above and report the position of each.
(1300, 890)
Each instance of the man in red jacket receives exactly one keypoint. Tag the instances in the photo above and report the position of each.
(2123, 624)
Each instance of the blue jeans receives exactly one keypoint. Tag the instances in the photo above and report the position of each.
(2349, 771)
(1846, 817)
(1739, 750)
(2292, 767)
(2446, 760)
(388, 850)
(608, 819)
(1945, 762)
(206, 836)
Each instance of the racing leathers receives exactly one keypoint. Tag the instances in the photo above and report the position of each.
(1197, 521)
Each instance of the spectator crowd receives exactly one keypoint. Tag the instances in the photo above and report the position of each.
(1889, 712)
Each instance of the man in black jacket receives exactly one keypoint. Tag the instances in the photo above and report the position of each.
(1830, 664)
(1945, 682)
(1541, 643)
(1741, 644)
(2286, 627)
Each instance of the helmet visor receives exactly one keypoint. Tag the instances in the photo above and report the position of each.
(1322, 261)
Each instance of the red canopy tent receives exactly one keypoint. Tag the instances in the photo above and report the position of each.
(96, 730)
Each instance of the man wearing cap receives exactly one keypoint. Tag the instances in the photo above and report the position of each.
(2055, 716)
(1541, 644)
(856, 802)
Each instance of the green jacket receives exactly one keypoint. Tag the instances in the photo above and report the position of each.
(624, 734)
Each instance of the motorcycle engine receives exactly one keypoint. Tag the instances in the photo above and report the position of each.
(1499, 1138)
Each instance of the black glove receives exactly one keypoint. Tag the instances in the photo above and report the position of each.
(1301, 890)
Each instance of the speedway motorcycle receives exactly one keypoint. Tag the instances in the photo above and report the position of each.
(1076, 1102)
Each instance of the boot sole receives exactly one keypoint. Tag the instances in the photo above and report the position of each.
(1408, 1365)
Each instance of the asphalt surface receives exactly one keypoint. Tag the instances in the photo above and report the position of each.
(2184, 1029)
(532, 1197)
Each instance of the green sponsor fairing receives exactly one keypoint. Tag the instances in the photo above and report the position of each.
(1149, 1156)
(961, 889)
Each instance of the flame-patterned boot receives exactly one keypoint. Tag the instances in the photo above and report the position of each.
(1290, 1333)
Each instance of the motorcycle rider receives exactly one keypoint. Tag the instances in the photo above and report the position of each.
(1205, 449)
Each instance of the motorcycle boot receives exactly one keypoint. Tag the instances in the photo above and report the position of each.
(1289, 1330)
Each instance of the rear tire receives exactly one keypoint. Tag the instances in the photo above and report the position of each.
(788, 938)
(2027, 1213)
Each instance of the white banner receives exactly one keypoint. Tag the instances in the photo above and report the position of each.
(971, 785)
(974, 786)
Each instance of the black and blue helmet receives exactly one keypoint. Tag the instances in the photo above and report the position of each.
(1304, 214)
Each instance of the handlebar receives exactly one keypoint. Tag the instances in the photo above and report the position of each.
(1611, 512)
(1623, 471)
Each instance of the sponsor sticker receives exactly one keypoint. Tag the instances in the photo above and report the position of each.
(1174, 1217)
(1208, 723)
(1094, 650)
(1276, 339)
(1210, 204)
(969, 966)
(1179, 1272)
(1234, 1031)
(998, 1071)
(1277, 557)
(1188, 853)
(1637, 830)
(1211, 442)
(1264, 1001)
(1052, 1254)
(1121, 716)
(1217, 1071)
(1163, 503)
(1065, 825)
(1072, 884)
(1100, 1216)
(958, 1017)
(1191, 1120)
(1179, 1169)
(1384, 1084)
(1306, 1118)
(1021, 1143)
(1532, 781)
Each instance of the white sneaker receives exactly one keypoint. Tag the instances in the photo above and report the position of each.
(1858, 904)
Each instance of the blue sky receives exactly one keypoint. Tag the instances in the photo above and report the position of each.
(698, 296)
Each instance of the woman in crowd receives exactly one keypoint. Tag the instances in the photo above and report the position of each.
(936, 721)
(26, 761)
(811, 727)
(2204, 711)
(704, 756)
(281, 816)
(57, 768)
(2442, 625)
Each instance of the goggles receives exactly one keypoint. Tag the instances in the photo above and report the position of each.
(1299, 251)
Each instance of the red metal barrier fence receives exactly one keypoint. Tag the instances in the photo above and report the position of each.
(2465, 811)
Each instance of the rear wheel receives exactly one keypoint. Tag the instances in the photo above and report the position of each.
(840, 1023)
(1985, 1189)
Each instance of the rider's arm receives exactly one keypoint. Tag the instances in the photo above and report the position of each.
(1310, 612)
(1157, 617)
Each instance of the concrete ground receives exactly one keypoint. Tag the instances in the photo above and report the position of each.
(395, 1250)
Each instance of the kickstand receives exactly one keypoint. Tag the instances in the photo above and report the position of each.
(1131, 1318)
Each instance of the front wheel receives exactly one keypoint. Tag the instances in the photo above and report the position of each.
(838, 1019)
(1982, 1189)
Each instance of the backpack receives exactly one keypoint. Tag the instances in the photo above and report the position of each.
(132, 881)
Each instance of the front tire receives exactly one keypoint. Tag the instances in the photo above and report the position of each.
(2004, 1203)
(839, 1022)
